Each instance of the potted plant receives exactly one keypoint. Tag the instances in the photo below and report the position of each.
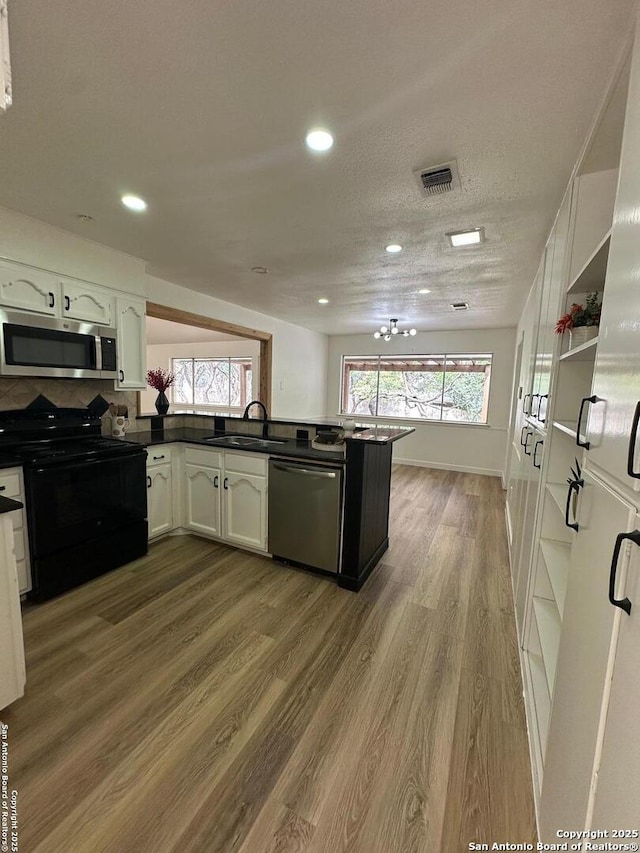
(161, 380)
(582, 321)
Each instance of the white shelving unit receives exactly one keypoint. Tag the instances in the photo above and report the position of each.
(591, 276)
(559, 495)
(556, 556)
(585, 352)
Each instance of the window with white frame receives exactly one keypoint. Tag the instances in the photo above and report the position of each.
(224, 383)
(444, 387)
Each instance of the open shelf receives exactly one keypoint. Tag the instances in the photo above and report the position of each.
(549, 626)
(541, 698)
(585, 352)
(568, 428)
(556, 556)
(559, 495)
(591, 276)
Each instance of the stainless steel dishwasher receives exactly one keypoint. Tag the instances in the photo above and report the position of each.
(305, 513)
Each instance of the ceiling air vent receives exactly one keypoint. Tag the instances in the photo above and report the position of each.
(438, 179)
(460, 306)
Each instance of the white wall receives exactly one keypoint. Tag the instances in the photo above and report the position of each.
(160, 355)
(299, 355)
(32, 242)
(454, 446)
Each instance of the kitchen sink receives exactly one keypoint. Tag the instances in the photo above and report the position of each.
(243, 441)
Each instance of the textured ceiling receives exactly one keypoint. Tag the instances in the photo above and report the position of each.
(166, 332)
(202, 107)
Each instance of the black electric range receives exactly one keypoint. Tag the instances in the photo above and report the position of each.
(85, 495)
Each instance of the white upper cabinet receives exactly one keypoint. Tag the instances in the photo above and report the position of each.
(132, 351)
(617, 365)
(87, 302)
(28, 290)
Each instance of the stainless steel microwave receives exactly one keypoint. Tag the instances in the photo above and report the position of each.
(44, 346)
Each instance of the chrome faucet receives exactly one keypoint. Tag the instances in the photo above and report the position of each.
(265, 420)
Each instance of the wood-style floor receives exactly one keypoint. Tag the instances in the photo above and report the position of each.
(203, 699)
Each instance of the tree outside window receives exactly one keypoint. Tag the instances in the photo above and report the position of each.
(446, 387)
(212, 382)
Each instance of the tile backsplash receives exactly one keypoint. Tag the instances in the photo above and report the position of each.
(18, 392)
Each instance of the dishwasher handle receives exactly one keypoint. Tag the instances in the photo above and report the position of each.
(307, 472)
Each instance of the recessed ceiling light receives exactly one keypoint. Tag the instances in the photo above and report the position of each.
(469, 237)
(323, 301)
(319, 140)
(260, 270)
(424, 290)
(134, 202)
(392, 248)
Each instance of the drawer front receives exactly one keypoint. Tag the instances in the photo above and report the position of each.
(158, 455)
(18, 544)
(245, 463)
(202, 456)
(10, 485)
(24, 576)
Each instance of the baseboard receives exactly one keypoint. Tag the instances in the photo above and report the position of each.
(465, 469)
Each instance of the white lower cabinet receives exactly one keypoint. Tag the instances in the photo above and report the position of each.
(159, 491)
(202, 499)
(585, 660)
(226, 496)
(617, 791)
(245, 503)
(12, 486)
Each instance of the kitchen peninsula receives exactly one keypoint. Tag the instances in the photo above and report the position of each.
(365, 459)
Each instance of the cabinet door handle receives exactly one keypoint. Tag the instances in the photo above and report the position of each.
(542, 420)
(535, 452)
(522, 432)
(216, 480)
(574, 485)
(226, 480)
(67, 303)
(148, 481)
(532, 405)
(524, 404)
(622, 603)
(158, 457)
(52, 299)
(585, 400)
(2, 488)
(526, 443)
(632, 443)
(121, 372)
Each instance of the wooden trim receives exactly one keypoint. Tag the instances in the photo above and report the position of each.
(187, 318)
(266, 366)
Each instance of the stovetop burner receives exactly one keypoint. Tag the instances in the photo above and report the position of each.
(57, 435)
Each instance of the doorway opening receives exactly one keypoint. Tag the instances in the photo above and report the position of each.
(188, 343)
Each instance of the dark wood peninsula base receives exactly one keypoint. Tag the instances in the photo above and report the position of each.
(365, 535)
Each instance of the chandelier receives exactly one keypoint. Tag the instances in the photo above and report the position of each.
(387, 332)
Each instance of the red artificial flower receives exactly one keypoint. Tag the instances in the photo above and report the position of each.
(160, 379)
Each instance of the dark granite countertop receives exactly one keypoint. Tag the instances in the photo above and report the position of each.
(288, 448)
(8, 461)
(9, 505)
(375, 433)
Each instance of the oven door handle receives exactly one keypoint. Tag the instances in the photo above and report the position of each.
(87, 464)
